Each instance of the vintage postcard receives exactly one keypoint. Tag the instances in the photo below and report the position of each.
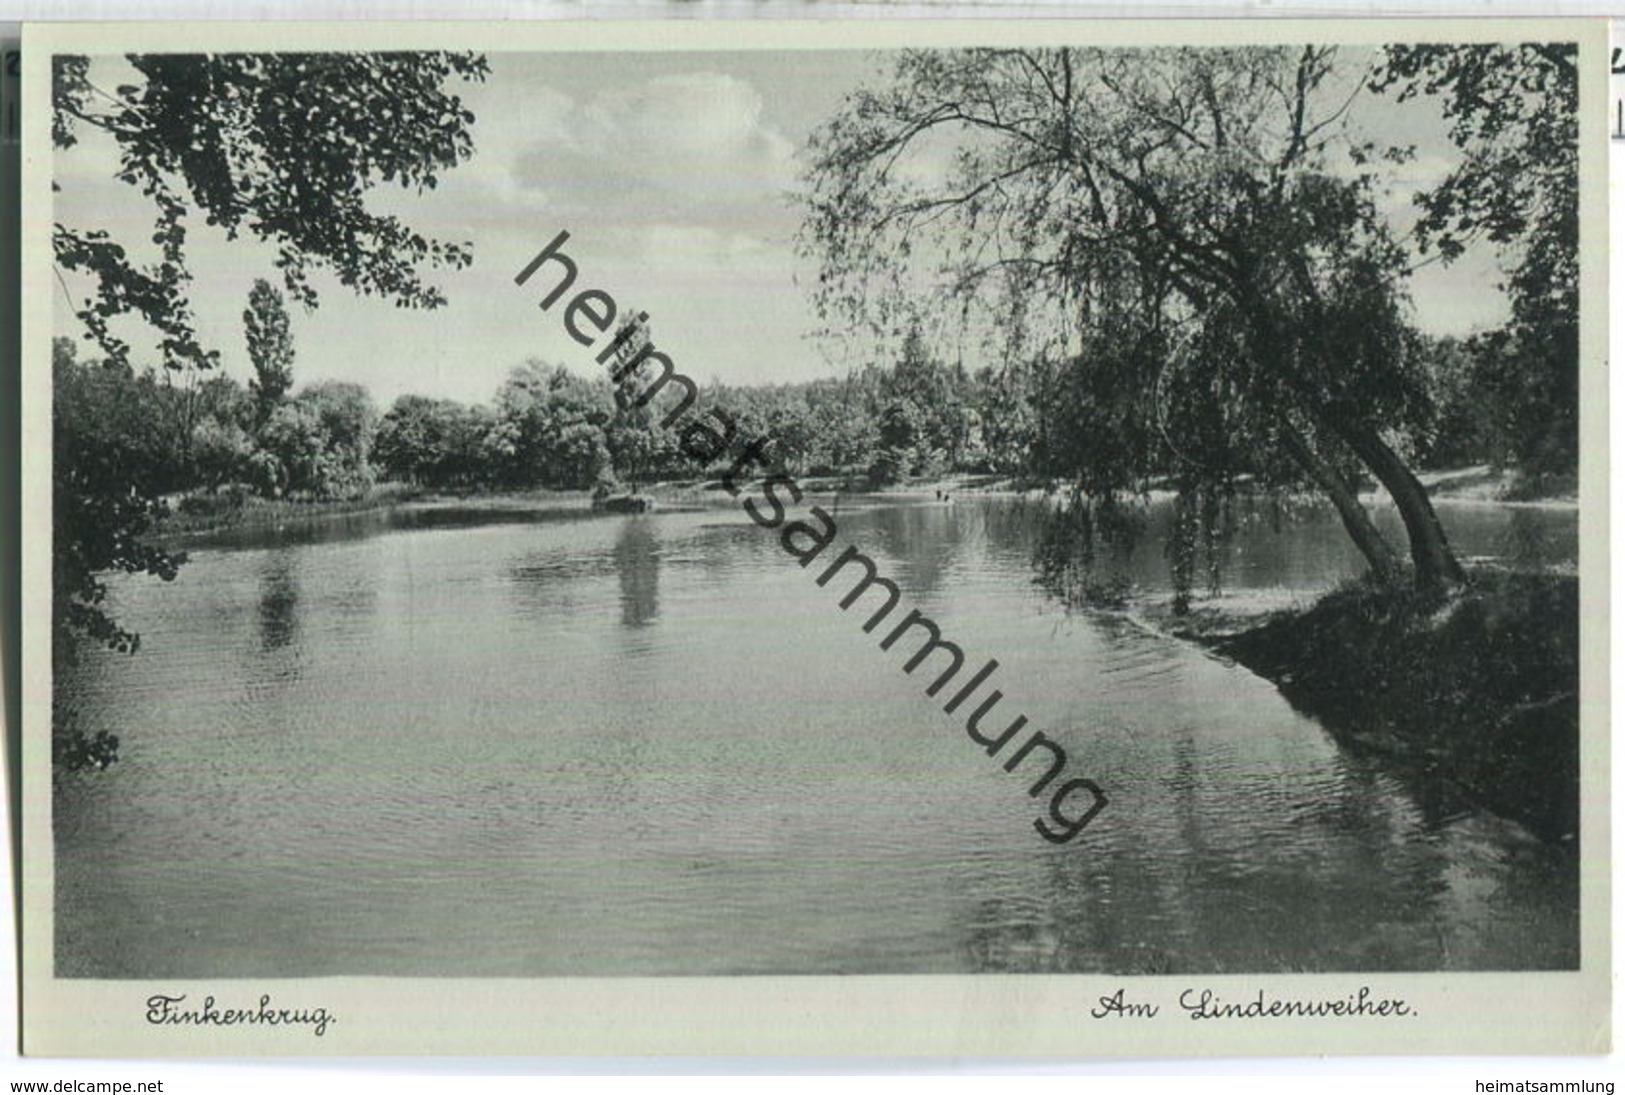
(983, 537)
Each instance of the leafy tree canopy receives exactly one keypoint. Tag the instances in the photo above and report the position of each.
(1514, 114)
(284, 146)
(111, 463)
(1514, 111)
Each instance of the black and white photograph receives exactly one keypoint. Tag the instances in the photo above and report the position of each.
(1108, 514)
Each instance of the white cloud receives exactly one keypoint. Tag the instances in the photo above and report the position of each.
(691, 148)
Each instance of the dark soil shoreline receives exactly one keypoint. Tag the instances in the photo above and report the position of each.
(204, 514)
(1479, 690)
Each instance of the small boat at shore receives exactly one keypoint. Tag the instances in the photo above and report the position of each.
(622, 503)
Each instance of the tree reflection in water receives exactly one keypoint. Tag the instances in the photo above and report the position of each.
(637, 561)
(1084, 550)
(279, 601)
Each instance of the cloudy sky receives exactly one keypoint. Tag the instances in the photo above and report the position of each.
(671, 174)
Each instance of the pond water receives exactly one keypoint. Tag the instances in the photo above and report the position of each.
(485, 742)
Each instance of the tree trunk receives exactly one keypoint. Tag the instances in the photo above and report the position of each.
(1379, 555)
(1436, 565)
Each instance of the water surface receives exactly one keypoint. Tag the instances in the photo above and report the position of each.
(486, 743)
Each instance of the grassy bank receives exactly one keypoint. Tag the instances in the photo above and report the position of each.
(1481, 483)
(1479, 691)
(200, 513)
(1477, 483)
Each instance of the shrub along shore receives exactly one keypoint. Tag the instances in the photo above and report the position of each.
(1477, 691)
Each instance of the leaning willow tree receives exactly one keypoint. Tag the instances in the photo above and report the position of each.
(1192, 231)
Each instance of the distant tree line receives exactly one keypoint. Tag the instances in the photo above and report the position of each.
(917, 416)
(183, 431)
(548, 427)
